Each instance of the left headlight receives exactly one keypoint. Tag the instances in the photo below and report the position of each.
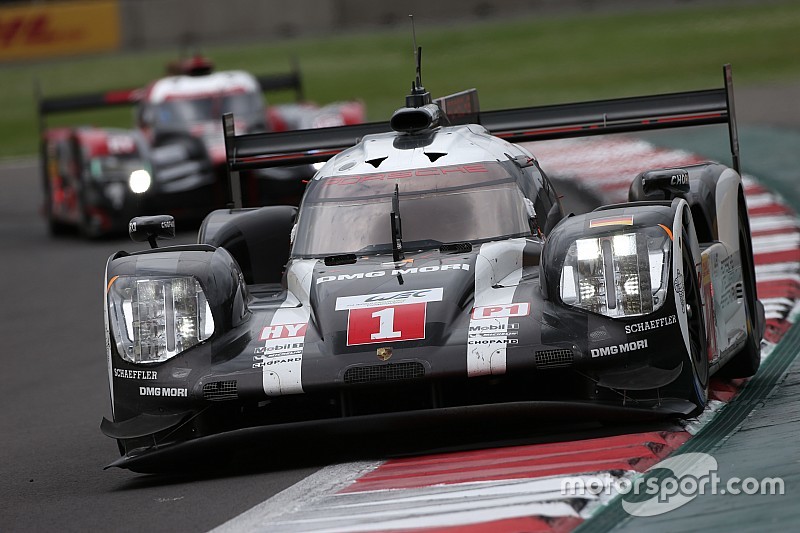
(154, 319)
(617, 275)
(139, 181)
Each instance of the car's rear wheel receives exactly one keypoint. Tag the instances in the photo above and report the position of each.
(746, 362)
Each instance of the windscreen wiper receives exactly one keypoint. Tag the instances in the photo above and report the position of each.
(397, 227)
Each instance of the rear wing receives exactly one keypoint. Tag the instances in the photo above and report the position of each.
(122, 97)
(600, 117)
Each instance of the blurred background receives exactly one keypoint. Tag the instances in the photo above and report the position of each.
(516, 52)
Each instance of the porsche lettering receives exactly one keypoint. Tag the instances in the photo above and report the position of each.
(403, 174)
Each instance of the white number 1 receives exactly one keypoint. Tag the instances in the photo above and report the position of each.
(386, 326)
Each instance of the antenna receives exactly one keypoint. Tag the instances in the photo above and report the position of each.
(419, 96)
(417, 53)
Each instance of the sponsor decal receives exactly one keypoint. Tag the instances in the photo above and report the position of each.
(280, 341)
(651, 324)
(135, 374)
(386, 299)
(611, 221)
(494, 329)
(680, 178)
(619, 348)
(282, 331)
(393, 272)
(499, 340)
(680, 290)
(275, 350)
(58, 28)
(279, 361)
(501, 311)
(176, 392)
(371, 325)
(403, 174)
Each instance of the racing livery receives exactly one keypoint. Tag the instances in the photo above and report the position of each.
(430, 268)
(96, 179)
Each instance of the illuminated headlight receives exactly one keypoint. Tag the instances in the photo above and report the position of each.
(154, 319)
(617, 275)
(139, 181)
(318, 165)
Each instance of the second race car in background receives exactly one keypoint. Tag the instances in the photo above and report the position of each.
(173, 160)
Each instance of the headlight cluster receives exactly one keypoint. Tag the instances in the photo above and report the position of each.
(139, 181)
(617, 275)
(154, 319)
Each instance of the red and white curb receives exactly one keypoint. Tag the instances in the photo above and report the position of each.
(519, 488)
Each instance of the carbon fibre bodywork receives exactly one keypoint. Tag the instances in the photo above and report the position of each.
(430, 270)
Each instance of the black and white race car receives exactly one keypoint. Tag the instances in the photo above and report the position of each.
(430, 268)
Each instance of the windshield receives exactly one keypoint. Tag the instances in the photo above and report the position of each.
(350, 214)
(245, 106)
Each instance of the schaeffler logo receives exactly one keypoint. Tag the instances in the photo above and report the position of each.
(670, 484)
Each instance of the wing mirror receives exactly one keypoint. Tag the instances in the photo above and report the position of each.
(151, 228)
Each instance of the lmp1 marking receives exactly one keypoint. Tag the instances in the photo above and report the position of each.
(501, 311)
(620, 348)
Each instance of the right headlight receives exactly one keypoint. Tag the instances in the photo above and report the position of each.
(156, 318)
(619, 275)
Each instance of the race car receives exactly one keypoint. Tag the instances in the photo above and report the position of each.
(430, 271)
(173, 161)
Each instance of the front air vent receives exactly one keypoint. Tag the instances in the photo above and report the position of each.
(383, 373)
(220, 391)
(554, 358)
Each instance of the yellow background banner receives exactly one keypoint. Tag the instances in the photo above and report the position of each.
(58, 28)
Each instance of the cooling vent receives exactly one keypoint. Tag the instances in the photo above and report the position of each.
(380, 373)
(739, 290)
(220, 390)
(553, 358)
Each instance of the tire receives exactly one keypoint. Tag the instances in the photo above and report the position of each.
(56, 228)
(747, 360)
(698, 344)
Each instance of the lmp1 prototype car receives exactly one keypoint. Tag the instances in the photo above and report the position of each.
(174, 160)
(430, 269)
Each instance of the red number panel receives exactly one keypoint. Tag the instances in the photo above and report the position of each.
(386, 324)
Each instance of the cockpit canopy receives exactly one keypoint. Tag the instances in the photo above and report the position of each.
(473, 202)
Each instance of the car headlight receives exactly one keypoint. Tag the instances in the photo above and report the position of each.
(139, 181)
(617, 275)
(154, 319)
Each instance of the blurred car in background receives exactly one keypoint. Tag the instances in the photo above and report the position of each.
(173, 160)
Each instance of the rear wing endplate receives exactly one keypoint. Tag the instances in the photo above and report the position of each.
(600, 117)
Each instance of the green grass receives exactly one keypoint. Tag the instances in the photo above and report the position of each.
(513, 63)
